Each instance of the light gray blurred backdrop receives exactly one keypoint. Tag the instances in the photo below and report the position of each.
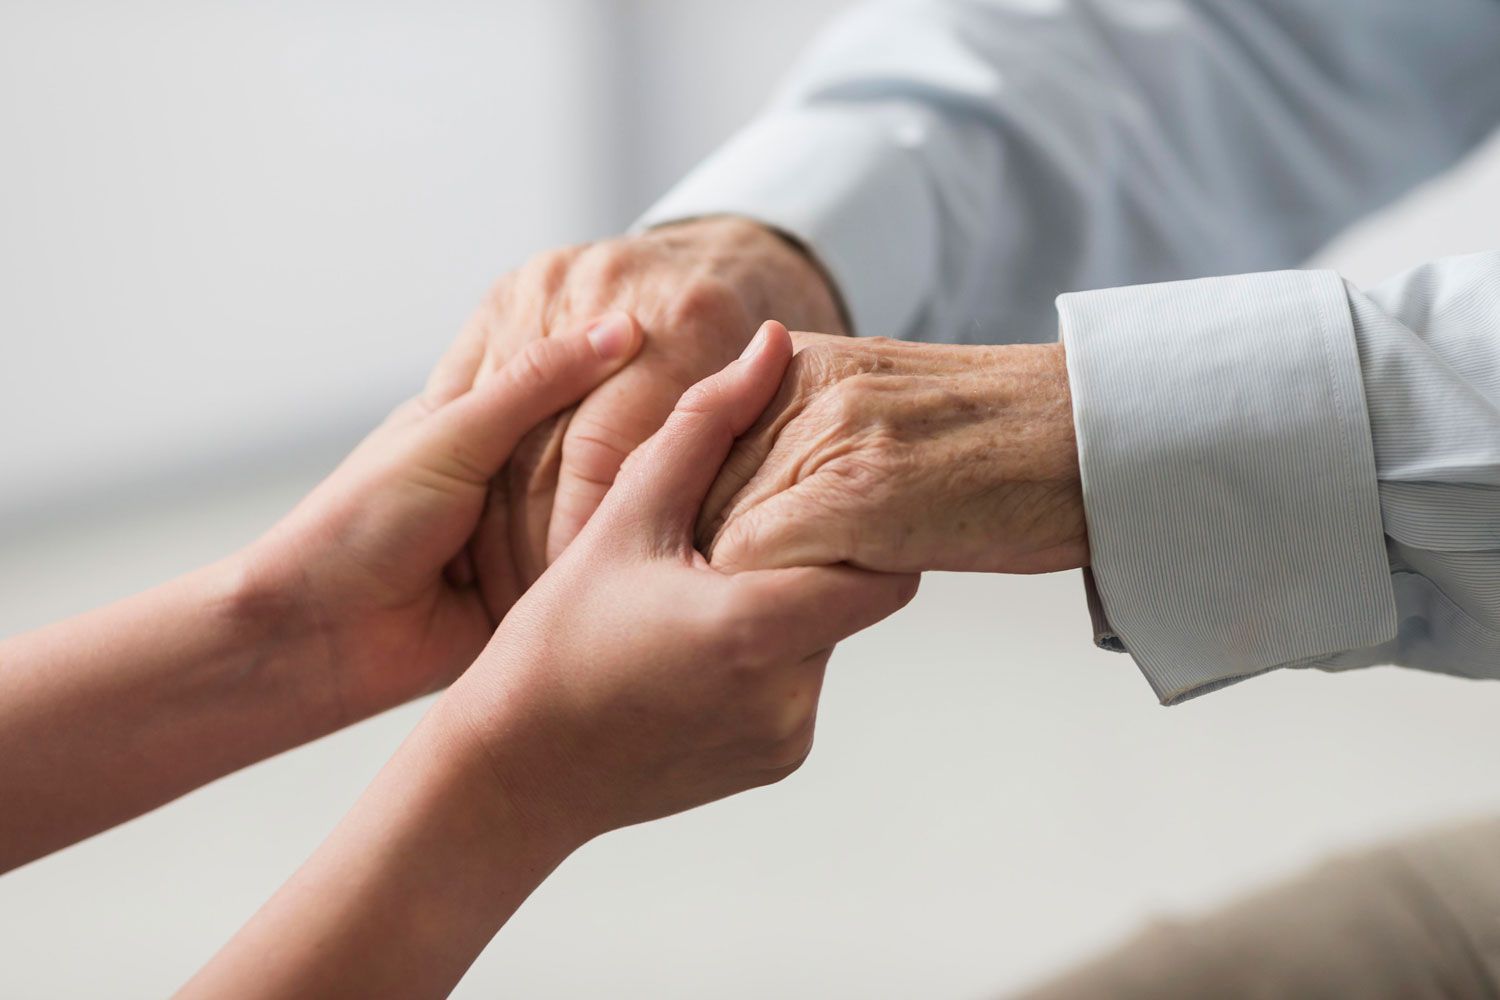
(233, 234)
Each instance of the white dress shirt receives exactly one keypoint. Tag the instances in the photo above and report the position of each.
(1279, 469)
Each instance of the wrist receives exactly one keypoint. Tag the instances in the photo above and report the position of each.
(502, 782)
(1033, 461)
(774, 275)
(516, 757)
(269, 613)
(409, 888)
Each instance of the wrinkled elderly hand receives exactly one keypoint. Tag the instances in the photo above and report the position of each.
(906, 457)
(633, 680)
(697, 289)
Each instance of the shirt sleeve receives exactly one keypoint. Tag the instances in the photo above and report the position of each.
(956, 164)
(1282, 470)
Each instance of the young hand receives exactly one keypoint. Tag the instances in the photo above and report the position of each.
(381, 567)
(696, 288)
(634, 680)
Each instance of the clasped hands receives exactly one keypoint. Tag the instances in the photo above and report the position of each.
(633, 637)
(626, 535)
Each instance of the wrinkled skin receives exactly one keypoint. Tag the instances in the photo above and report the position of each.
(635, 680)
(906, 457)
(697, 289)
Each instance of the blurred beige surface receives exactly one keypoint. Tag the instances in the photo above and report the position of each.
(990, 797)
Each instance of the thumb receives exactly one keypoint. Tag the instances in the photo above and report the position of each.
(811, 608)
(666, 479)
(604, 430)
(471, 437)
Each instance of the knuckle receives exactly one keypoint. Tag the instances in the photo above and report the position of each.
(742, 541)
(788, 755)
(742, 640)
(498, 296)
(699, 400)
(548, 269)
(595, 451)
(862, 475)
(741, 636)
(828, 360)
(606, 265)
(852, 402)
(789, 720)
(707, 301)
(840, 414)
(533, 367)
(879, 349)
(814, 367)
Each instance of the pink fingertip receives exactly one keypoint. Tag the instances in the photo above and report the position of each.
(613, 336)
(756, 343)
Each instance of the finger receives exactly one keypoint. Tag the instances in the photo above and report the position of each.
(460, 569)
(750, 461)
(747, 462)
(787, 529)
(811, 608)
(604, 430)
(496, 571)
(460, 366)
(668, 477)
(531, 476)
(455, 371)
(793, 697)
(471, 437)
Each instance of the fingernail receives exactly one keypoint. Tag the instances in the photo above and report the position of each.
(611, 335)
(756, 343)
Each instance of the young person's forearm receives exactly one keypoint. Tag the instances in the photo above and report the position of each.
(407, 890)
(111, 713)
(620, 689)
(351, 604)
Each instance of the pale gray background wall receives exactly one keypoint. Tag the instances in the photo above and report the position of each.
(232, 234)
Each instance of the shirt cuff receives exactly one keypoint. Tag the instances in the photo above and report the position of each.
(1228, 475)
(847, 186)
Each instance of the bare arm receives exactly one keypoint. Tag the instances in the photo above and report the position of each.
(371, 592)
(400, 899)
(631, 682)
(114, 712)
